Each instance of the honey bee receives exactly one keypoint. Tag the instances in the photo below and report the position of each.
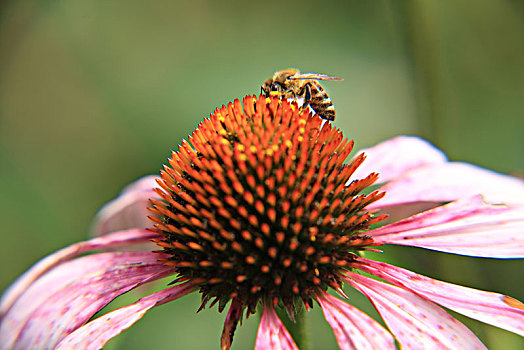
(290, 83)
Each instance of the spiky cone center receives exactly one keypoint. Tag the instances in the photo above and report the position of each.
(256, 205)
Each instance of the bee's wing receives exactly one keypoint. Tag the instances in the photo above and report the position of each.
(314, 76)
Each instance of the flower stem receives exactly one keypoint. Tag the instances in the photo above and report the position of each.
(298, 329)
(420, 33)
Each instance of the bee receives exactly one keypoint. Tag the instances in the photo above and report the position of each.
(290, 83)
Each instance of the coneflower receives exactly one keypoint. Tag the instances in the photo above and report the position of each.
(262, 207)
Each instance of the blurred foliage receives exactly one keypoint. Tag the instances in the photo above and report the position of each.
(94, 94)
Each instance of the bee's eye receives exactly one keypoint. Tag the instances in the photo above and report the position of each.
(275, 87)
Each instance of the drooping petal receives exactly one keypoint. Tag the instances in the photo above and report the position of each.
(354, 329)
(468, 227)
(70, 294)
(415, 322)
(451, 181)
(272, 335)
(95, 334)
(234, 314)
(394, 157)
(128, 210)
(493, 308)
(122, 238)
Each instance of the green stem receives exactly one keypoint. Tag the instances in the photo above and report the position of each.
(298, 329)
(418, 24)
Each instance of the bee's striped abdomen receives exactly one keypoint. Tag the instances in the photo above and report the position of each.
(321, 103)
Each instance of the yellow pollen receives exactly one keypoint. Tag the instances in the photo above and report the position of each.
(222, 131)
(293, 107)
(240, 147)
(300, 138)
(253, 149)
(225, 141)
(302, 122)
(243, 157)
(274, 147)
(269, 152)
(288, 143)
(302, 130)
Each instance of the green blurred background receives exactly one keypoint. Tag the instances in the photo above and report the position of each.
(94, 94)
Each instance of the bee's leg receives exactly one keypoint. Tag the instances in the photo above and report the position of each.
(307, 96)
(289, 94)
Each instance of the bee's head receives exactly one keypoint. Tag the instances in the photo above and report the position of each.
(271, 87)
(278, 82)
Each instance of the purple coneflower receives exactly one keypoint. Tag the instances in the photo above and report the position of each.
(261, 207)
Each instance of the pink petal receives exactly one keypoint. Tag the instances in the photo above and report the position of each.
(98, 332)
(402, 211)
(70, 294)
(117, 239)
(272, 335)
(415, 322)
(446, 182)
(354, 329)
(468, 227)
(394, 157)
(493, 308)
(128, 210)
